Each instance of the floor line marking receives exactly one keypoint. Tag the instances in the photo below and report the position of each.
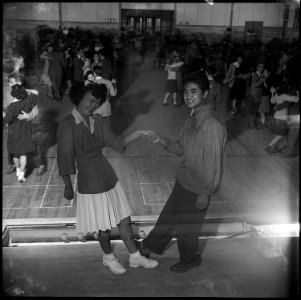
(136, 168)
(46, 189)
(32, 207)
(31, 185)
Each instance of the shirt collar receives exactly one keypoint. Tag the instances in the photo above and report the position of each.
(79, 119)
(201, 113)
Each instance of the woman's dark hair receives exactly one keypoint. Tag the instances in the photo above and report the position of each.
(18, 92)
(200, 79)
(282, 89)
(78, 91)
(98, 70)
(88, 73)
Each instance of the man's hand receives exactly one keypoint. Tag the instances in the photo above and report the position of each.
(68, 193)
(202, 201)
(23, 116)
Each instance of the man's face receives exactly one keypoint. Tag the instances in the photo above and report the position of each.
(260, 68)
(81, 53)
(193, 95)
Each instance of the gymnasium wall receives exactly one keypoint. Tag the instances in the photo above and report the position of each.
(211, 20)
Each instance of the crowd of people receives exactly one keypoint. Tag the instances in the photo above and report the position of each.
(262, 80)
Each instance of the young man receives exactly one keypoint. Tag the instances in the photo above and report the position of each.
(202, 144)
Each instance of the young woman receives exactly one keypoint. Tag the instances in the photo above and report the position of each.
(279, 127)
(19, 137)
(101, 202)
(171, 86)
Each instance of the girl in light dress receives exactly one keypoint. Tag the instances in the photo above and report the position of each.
(279, 127)
(101, 201)
(171, 86)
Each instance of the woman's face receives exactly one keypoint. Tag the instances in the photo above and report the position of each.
(193, 95)
(91, 77)
(239, 60)
(96, 57)
(87, 105)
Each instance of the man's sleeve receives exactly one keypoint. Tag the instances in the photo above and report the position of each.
(208, 170)
(65, 149)
(176, 147)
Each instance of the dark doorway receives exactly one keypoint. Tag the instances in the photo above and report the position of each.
(144, 20)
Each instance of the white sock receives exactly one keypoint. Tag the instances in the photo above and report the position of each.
(135, 255)
(109, 256)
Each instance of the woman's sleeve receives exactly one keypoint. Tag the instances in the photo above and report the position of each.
(9, 116)
(65, 149)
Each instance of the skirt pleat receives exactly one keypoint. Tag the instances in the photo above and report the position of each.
(101, 211)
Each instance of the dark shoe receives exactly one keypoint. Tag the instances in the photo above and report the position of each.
(289, 155)
(142, 249)
(181, 267)
(41, 170)
(165, 103)
(11, 169)
(271, 150)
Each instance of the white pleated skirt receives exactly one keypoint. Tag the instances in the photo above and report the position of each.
(101, 211)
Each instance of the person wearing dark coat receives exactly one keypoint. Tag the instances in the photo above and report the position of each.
(56, 71)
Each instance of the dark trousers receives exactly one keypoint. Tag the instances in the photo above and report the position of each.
(179, 218)
(57, 86)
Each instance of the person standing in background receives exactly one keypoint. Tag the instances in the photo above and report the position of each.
(56, 71)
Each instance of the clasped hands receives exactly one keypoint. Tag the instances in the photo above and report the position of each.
(151, 136)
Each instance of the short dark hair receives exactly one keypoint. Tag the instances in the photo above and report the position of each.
(18, 92)
(98, 70)
(78, 91)
(200, 79)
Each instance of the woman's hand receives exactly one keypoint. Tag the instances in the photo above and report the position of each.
(68, 193)
(23, 116)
